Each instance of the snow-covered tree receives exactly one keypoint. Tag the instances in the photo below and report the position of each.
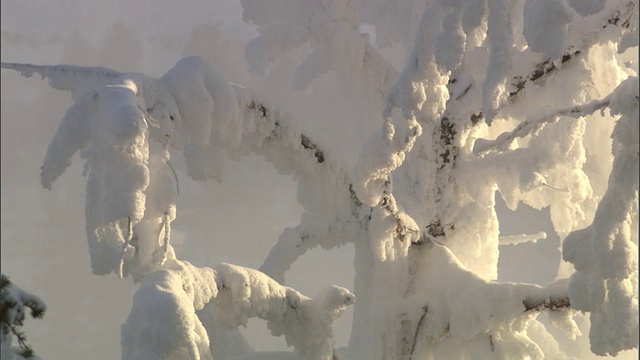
(13, 304)
(506, 97)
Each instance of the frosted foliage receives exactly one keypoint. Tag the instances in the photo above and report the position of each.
(15, 303)
(605, 255)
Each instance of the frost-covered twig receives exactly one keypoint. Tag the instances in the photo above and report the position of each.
(521, 238)
(534, 124)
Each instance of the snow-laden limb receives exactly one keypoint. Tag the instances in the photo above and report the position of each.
(76, 79)
(13, 304)
(220, 119)
(533, 124)
(163, 321)
(331, 27)
(476, 316)
(605, 254)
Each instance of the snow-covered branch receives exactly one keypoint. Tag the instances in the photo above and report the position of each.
(13, 304)
(521, 238)
(498, 310)
(535, 123)
(163, 319)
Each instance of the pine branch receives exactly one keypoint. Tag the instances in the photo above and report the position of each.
(12, 305)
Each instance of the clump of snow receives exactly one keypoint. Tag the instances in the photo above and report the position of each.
(163, 321)
(545, 26)
(493, 325)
